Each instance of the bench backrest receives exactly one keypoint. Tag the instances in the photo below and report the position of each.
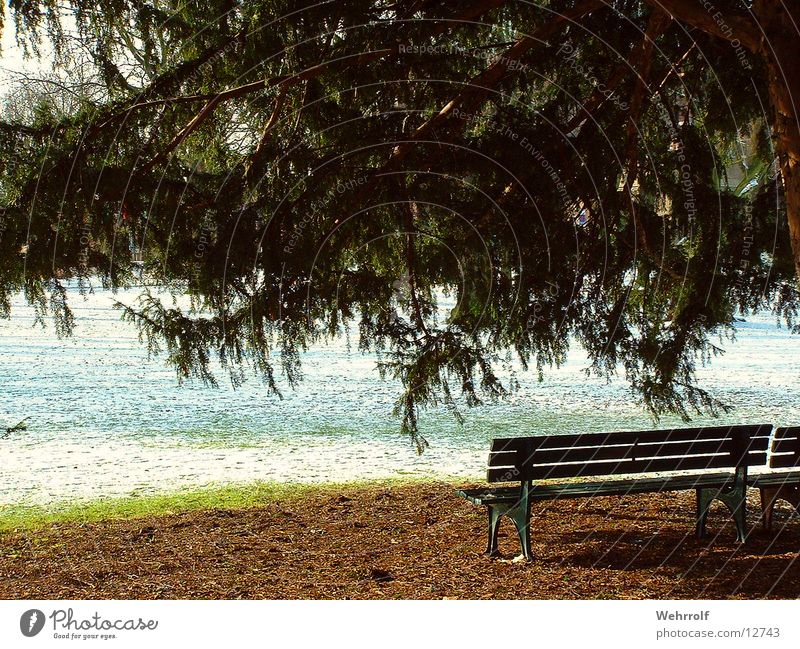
(600, 454)
(785, 449)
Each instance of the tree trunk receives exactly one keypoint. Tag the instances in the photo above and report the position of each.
(780, 49)
(775, 38)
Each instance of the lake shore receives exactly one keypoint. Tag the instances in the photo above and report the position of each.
(116, 423)
(385, 541)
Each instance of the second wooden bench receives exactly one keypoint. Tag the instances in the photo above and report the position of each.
(782, 480)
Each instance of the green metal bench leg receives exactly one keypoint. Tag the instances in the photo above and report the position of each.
(771, 495)
(734, 499)
(739, 513)
(793, 497)
(521, 516)
(704, 499)
(495, 514)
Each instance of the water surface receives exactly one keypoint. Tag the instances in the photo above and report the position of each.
(107, 421)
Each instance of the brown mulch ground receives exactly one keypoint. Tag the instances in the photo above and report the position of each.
(415, 541)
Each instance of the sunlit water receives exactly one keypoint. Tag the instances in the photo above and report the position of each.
(107, 421)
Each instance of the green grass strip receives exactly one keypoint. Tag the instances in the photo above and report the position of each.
(234, 496)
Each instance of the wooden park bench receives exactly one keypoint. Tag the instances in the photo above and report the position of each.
(778, 483)
(652, 461)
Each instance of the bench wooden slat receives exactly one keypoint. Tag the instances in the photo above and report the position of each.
(785, 448)
(489, 496)
(786, 445)
(787, 431)
(503, 474)
(630, 437)
(688, 463)
(502, 458)
(636, 451)
(784, 461)
(616, 452)
(552, 456)
(758, 443)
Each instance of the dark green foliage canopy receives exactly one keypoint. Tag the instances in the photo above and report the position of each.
(564, 170)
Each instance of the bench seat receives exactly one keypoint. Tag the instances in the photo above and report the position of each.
(773, 478)
(588, 489)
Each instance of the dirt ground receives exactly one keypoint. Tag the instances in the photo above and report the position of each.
(414, 541)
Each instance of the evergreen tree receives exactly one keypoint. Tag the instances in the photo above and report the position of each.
(617, 172)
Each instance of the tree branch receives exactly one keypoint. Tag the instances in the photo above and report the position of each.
(726, 25)
(408, 210)
(258, 154)
(479, 86)
(310, 73)
(657, 24)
